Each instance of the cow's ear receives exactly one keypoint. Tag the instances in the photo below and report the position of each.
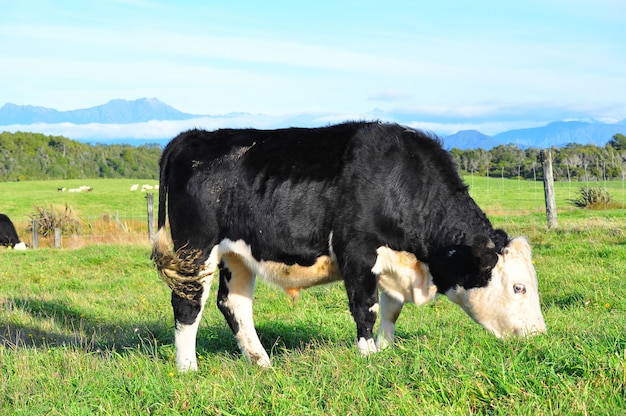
(500, 239)
(484, 253)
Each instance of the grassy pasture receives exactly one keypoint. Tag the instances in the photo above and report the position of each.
(108, 197)
(110, 213)
(90, 331)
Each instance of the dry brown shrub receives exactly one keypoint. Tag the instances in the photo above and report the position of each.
(55, 217)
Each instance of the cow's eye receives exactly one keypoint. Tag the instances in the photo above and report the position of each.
(519, 289)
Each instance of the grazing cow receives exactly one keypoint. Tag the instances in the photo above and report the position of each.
(379, 206)
(8, 235)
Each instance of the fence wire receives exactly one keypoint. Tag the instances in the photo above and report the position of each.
(496, 195)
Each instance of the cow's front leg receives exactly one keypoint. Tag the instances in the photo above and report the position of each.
(234, 299)
(390, 308)
(187, 316)
(362, 290)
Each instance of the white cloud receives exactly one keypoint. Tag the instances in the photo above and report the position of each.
(158, 129)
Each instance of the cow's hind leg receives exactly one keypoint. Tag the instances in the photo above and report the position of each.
(234, 299)
(188, 302)
(187, 316)
(390, 309)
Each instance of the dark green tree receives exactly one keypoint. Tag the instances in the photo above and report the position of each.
(618, 142)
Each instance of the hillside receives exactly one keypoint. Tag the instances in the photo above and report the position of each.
(30, 156)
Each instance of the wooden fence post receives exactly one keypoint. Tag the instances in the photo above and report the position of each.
(57, 237)
(35, 234)
(150, 203)
(548, 187)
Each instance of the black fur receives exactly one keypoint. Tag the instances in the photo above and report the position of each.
(186, 310)
(222, 297)
(8, 234)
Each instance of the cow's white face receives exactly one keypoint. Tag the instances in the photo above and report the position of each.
(509, 304)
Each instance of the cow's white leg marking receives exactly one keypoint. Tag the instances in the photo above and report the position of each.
(366, 346)
(247, 337)
(390, 308)
(239, 302)
(185, 342)
(185, 334)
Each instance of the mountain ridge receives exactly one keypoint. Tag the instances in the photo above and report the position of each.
(116, 111)
(125, 112)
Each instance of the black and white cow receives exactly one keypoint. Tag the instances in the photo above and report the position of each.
(379, 206)
(8, 235)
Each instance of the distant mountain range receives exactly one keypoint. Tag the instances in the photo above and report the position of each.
(113, 112)
(558, 134)
(123, 112)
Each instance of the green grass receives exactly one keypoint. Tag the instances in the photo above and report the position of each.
(109, 196)
(90, 331)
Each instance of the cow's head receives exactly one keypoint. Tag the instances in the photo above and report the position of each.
(499, 290)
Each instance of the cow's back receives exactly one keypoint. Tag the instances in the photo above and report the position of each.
(277, 190)
(284, 191)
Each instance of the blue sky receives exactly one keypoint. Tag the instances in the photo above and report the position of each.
(444, 65)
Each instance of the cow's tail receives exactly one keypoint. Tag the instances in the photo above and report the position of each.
(163, 186)
(179, 269)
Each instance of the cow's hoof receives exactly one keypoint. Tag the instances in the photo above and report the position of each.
(366, 346)
(187, 366)
(264, 363)
(382, 343)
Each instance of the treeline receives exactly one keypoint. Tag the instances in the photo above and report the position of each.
(573, 162)
(31, 156)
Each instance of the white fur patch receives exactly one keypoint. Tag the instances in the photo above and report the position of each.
(403, 277)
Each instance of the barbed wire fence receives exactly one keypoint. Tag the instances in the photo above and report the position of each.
(500, 195)
(524, 193)
(130, 226)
